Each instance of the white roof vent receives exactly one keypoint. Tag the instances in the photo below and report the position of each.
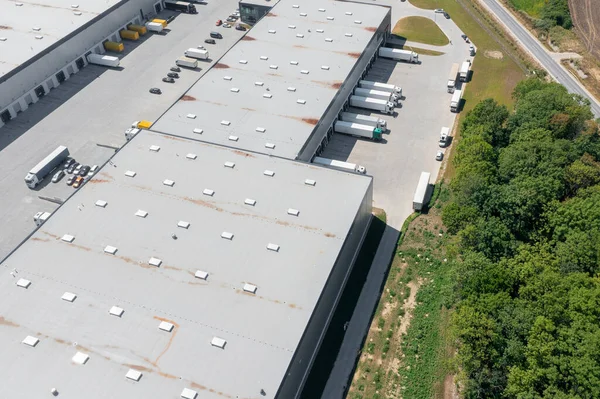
(69, 297)
(293, 62)
(37, 29)
(2, 39)
(23, 283)
(191, 156)
(251, 288)
(234, 89)
(291, 89)
(321, 10)
(301, 101)
(303, 14)
(225, 123)
(233, 138)
(198, 130)
(18, 4)
(209, 192)
(260, 129)
(80, 358)
(77, 13)
(292, 26)
(191, 116)
(267, 95)
(68, 238)
(110, 249)
(330, 18)
(310, 182)
(270, 145)
(250, 201)
(154, 148)
(130, 173)
(226, 235)
(141, 214)
(168, 182)
(259, 83)
(273, 247)
(116, 311)
(348, 12)
(269, 173)
(101, 203)
(202, 275)
(188, 393)
(243, 61)
(328, 39)
(155, 262)
(348, 34)
(30, 341)
(133, 375)
(293, 212)
(264, 57)
(74, 5)
(304, 72)
(273, 66)
(183, 224)
(229, 164)
(320, 31)
(272, 30)
(300, 35)
(325, 67)
(227, 78)
(39, 37)
(218, 342)
(166, 326)
(358, 22)
(295, 6)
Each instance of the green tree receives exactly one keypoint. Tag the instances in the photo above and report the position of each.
(582, 173)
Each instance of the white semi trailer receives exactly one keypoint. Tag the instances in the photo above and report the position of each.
(340, 165)
(154, 27)
(364, 119)
(374, 104)
(452, 78)
(197, 53)
(42, 169)
(455, 102)
(463, 74)
(104, 60)
(367, 84)
(187, 62)
(382, 95)
(357, 129)
(399, 55)
(422, 192)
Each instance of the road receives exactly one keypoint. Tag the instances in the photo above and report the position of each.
(539, 52)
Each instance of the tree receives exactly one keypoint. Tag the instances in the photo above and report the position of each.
(490, 237)
(487, 120)
(582, 173)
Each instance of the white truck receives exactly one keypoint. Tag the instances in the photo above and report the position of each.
(357, 129)
(374, 104)
(196, 53)
(186, 62)
(40, 217)
(422, 192)
(154, 27)
(399, 55)
(382, 95)
(131, 132)
(340, 165)
(367, 84)
(42, 169)
(104, 60)
(463, 74)
(455, 102)
(444, 136)
(364, 119)
(452, 78)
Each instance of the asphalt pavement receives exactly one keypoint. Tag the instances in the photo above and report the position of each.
(539, 52)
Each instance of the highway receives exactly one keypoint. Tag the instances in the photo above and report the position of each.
(537, 50)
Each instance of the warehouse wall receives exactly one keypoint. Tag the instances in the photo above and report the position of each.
(311, 340)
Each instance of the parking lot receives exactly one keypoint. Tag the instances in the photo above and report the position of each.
(94, 107)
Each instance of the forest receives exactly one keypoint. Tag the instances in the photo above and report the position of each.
(525, 209)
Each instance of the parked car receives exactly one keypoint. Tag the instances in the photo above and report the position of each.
(219, 22)
(231, 19)
(77, 169)
(93, 169)
(200, 48)
(446, 15)
(57, 176)
(71, 168)
(439, 10)
(234, 16)
(240, 27)
(155, 90)
(210, 41)
(71, 180)
(175, 69)
(77, 182)
(84, 171)
(226, 26)
(439, 156)
(68, 162)
(168, 80)
(173, 75)
(216, 35)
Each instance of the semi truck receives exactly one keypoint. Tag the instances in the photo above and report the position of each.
(422, 192)
(374, 104)
(367, 84)
(182, 6)
(383, 95)
(105, 60)
(129, 34)
(154, 27)
(196, 53)
(455, 102)
(357, 129)
(114, 46)
(463, 74)
(131, 132)
(186, 62)
(141, 30)
(452, 78)
(399, 55)
(42, 169)
(40, 217)
(364, 119)
(340, 165)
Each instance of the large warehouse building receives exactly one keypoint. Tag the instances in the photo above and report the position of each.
(42, 43)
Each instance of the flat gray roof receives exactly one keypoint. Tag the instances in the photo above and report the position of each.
(22, 21)
(269, 91)
(261, 330)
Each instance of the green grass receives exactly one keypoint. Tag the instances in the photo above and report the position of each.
(420, 30)
(424, 51)
(531, 7)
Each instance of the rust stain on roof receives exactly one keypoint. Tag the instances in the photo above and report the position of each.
(354, 55)
(6, 322)
(173, 335)
(370, 28)
(169, 137)
(243, 154)
(186, 97)
(310, 121)
(248, 38)
(298, 46)
(336, 85)
(170, 267)
(50, 235)
(220, 65)
(138, 367)
(4, 27)
(39, 239)
(99, 181)
(330, 235)
(203, 203)
(271, 14)
(248, 109)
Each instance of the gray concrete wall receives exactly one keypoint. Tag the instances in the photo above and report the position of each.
(312, 338)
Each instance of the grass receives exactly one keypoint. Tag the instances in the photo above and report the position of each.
(531, 7)
(424, 51)
(420, 30)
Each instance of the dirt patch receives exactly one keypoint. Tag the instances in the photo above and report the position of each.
(336, 85)
(99, 181)
(310, 121)
(185, 97)
(220, 65)
(450, 391)
(586, 20)
(4, 27)
(387, 308)
(497, 55)
(249, 38)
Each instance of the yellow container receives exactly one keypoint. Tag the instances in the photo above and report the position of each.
(129, 34)
(138, 28)
(114, 46)
(163, 22)
(144, 124)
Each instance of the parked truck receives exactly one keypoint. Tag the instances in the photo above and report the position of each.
(383, 95)
(182, 6)
(140, 29)
(114, 46)
(340, 165)
(196, 53)
(399, 55)
(42, 169)
(422, 192)
(374, 104)
(141, 124)
(40, 217)
(105, 60)
(455, 102)
(357, 129)
(367, 84)
(186, 62)
(444, 137)
(131, 132)
(463, 74)
(129, 34)
(155, 27)
(364, 119)
(452, 78)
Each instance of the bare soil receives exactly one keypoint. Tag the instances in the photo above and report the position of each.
(497, 55)
(586, 21)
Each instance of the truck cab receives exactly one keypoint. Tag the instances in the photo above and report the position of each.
(31, 180)
(40, 217)
(444, 137)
